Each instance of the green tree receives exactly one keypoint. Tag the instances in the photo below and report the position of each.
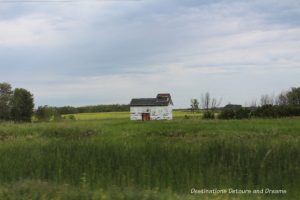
(44, 113)
(293, 96)
(282, 99)
(22, 105)
(5, 97)
(209, 105)
(194, 105)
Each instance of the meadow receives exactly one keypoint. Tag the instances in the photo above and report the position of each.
(107, 156)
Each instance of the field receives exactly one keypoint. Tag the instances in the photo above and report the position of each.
(125, 115)
(107, 156)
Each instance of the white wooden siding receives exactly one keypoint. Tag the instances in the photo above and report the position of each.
(156, 112)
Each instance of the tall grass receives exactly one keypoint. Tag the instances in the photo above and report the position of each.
(165, 156)
(42, 190)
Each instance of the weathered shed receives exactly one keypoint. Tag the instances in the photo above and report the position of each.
(158, 108)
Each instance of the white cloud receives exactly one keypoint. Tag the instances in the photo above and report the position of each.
(109, 52)
(236, 86)
(30, 30)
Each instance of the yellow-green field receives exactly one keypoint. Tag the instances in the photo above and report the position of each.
(124, 115)
(101, 115)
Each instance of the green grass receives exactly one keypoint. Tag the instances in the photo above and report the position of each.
(156, 158)
(42, 190)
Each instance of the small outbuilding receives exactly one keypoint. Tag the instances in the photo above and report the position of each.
(158, 108)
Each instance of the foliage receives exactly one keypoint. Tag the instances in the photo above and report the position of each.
(286, 104)
(282, 99)
(277, 111)
(71, 117)
(293, 96)
(227, 114)
(15, 105)
(5, 97)
(231, 111)
(209, 105)
(243, 113)
(208, 115)
(44, 113)
(265, 111)
(194, 105)
(92, 109)
(22, 105)
(267, 100)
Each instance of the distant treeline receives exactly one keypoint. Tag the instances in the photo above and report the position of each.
(46, 113)
(265, 111)
(92, 109)
(286, 104)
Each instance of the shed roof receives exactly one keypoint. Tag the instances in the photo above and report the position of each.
(160, 100)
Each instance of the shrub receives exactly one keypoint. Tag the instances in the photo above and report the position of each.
(231, 113)
(272, 111)
(227, 114)
(72, 117)
(243, 113)
(44, 113)
(208, 115)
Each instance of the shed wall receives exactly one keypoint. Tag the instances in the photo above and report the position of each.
(156, 112)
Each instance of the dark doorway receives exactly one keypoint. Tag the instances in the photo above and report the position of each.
(145, 116)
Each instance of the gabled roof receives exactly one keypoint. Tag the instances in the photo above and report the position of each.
(233, 106)
(164, 97)
(160, 100)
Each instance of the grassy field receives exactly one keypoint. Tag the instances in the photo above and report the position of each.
(108, 157)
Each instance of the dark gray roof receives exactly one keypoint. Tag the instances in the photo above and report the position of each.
(161, 100)
(233, 106)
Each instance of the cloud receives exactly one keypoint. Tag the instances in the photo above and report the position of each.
(126, 49)
(34, 30)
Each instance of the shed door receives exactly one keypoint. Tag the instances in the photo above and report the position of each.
(145, 116)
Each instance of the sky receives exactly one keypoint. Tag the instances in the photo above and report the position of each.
(88, 52)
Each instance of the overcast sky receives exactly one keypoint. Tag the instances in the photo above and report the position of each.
(89, 52)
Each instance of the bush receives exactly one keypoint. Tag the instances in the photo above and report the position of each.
(71, 117)
(44, 113)
(265, 111)
(243, 113)
(227, 114)
(272, 111)
(239, 113)
(208, 115)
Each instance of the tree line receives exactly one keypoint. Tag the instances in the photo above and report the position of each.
(286, 104)
(18, 105)
(15, 105)
(93, 109)
(46, 113)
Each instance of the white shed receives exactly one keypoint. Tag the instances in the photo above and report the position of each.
(158, 108)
